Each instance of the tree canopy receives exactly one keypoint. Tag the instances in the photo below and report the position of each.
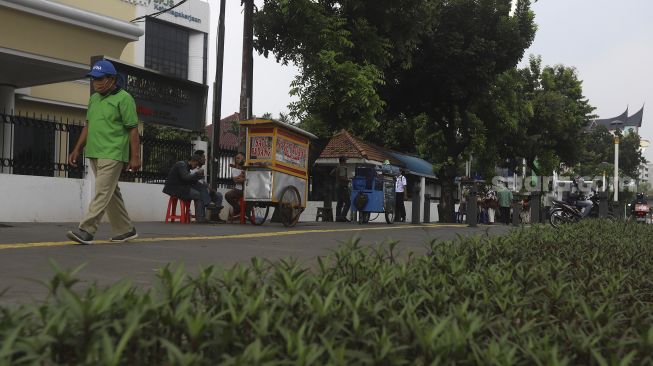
(342, 49)
(434, 77)
(553, 114)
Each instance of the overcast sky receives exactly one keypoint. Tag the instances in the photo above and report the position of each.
(271, 80)
(609, 42)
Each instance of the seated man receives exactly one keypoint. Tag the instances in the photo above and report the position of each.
(238, 175)
(182, 184)
(208, 193)
(582, 201)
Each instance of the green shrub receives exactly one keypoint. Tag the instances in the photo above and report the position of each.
(579, 295)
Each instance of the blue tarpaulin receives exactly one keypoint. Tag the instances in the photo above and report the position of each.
(415, 165)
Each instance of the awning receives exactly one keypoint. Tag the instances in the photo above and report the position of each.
(415, 165)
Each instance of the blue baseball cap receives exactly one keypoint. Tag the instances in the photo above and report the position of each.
(102, 68)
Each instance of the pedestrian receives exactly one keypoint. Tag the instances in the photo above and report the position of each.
(111, 142)
(182, 183)
(235, 194)
(340, 173)
(400, 196)
(482, 208)
(462, 207)
(491, 205)
(504, 198)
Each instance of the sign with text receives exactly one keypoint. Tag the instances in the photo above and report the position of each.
(194, 14)
(291, 153)
(163, 99)
(260, 147)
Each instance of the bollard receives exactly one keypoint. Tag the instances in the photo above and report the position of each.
(427, 208)
(472, 211)
(415, 204)
(603, 204)
(516, 212)
(328, 204)
(535, 203)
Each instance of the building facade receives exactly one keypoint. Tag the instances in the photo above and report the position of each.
(45, 62)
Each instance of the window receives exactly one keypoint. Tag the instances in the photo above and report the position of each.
(206, 47)
(166, 48)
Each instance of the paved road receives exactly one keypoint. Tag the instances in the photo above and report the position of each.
(26, 248)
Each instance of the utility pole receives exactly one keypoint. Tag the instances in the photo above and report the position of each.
(217, 100)
(247, 63)
(616, 166)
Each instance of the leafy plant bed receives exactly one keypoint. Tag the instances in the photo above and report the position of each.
(582, 294)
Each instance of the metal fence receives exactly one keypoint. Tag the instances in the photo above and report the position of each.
(40, 146)
(225, 159)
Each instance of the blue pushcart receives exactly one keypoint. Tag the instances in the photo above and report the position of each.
(373, 191)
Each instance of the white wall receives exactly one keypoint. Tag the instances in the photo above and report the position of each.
(46, 199)
(41, 199)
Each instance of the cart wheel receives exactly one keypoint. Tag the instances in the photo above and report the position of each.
(364, 217)
(258, 213)
(290, 206)
(390, 217)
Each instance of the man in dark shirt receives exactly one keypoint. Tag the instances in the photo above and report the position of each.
(342, 189)
(182, 184)
(208, 193)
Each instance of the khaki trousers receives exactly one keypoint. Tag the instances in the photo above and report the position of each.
(107, 198)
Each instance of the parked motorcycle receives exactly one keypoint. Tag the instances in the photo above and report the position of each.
(639, 209)
(562, 212)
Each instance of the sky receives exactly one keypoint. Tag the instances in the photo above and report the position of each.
(609, 42)
(271, 80)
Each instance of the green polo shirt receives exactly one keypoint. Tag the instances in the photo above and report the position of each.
(110, 117)
(505, 197)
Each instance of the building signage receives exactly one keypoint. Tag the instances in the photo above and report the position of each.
(291, 153)
(192, 14)
(163, 99)
(260, 148)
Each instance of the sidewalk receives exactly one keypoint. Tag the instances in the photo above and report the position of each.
(27, 249)
(38, 232)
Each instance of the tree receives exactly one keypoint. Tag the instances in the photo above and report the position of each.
(630, 155)
(429, 62)
(598, 153)
(342, 49)
(454, 67)
(553, 131)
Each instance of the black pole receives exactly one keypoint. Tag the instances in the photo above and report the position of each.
(472, 210)
(247, 64)
(414, 217)
(217, 100)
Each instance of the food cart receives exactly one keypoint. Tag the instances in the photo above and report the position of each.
(276, 170)
(373, 191)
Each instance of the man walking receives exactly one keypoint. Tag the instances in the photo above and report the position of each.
(504, 196)
(111, 139)
(400, 196)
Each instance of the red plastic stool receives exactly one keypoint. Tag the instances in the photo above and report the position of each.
(184, 216)
(241, 217)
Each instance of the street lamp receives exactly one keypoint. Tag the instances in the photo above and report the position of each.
(616, 124)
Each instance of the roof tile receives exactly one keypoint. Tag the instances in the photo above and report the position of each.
(343, 144)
